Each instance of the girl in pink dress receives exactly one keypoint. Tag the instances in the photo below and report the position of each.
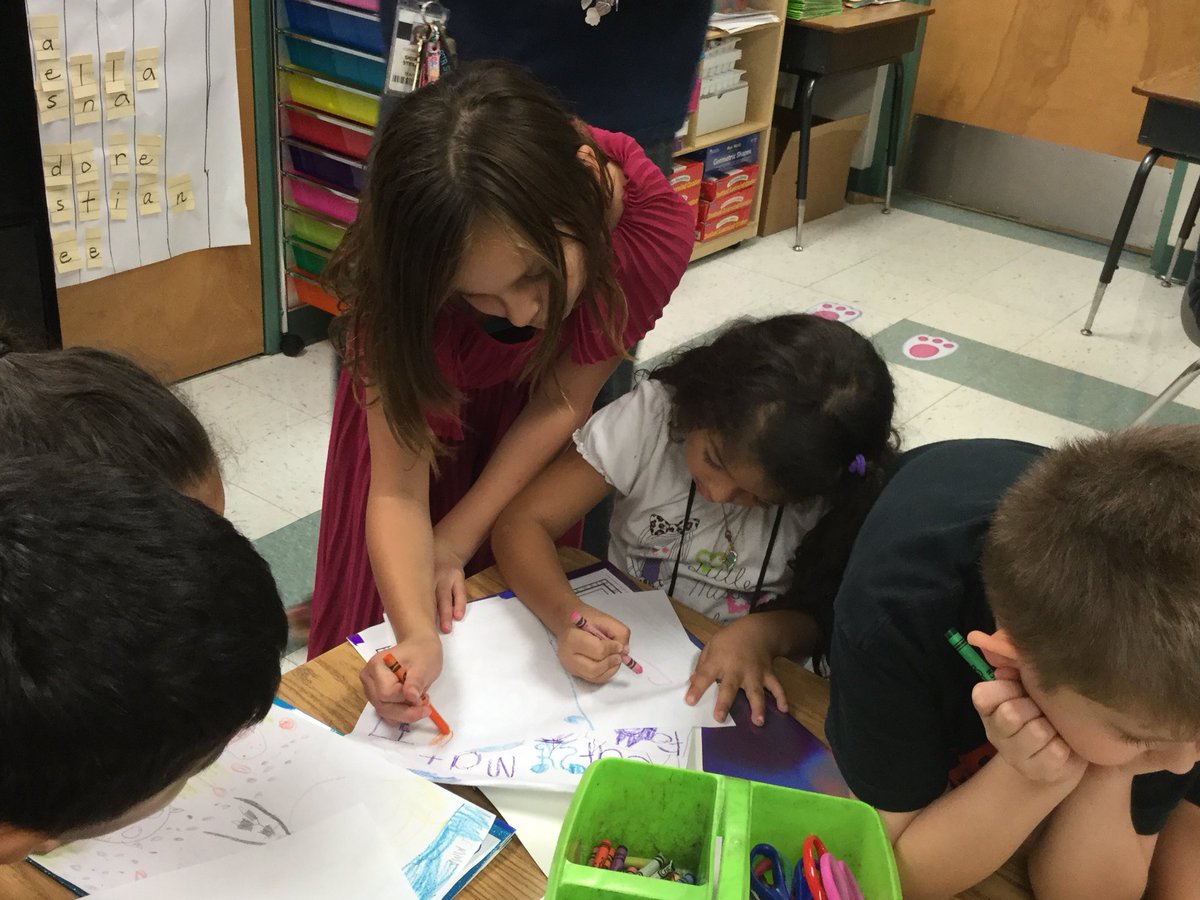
(504, 258)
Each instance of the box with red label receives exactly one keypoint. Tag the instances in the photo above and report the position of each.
(685, 173)
(691, 195)
(714, 228)
(714, 209)
(722, 184)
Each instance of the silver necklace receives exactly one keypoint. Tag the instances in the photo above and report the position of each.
(730, 557)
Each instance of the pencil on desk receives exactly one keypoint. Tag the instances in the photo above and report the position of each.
(398, 670)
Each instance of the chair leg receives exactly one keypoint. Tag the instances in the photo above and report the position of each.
(1185, 232)
(1122, 232)
(1174, 389)
(803, 103)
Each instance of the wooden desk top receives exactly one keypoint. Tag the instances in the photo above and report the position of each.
(1181, 86)
(328, 688)
(864, 17)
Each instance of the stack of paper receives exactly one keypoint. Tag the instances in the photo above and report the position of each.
(811, 9)
(732, 23)
(276, 786)
(520, 720)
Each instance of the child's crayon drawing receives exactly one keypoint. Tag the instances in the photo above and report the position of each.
(519, 719)
(285, 774)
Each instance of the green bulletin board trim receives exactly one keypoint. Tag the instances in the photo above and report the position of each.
(262, 55)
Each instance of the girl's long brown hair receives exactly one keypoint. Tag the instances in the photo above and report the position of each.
(486, 143)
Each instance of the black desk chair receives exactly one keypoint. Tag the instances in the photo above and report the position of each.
(1189, 314)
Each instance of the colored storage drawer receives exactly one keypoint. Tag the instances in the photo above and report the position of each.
(340, 172)
(331, 22)
(330, 203)
(308, 257)
(706, 824)
(339, 135)
(306, 290)
(330, 97)
(339, 63)
(312, 229)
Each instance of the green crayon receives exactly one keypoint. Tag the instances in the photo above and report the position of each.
(967, 652)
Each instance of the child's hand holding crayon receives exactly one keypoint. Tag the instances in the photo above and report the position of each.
(396, 703)
(585, 653)
(1017, 727)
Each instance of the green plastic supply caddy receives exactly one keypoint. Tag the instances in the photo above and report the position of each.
(706, 824)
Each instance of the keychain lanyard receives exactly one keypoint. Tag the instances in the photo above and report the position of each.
(422, 50)
(687, 517)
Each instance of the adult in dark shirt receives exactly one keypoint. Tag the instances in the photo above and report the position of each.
(1084, 573)
(633, 72)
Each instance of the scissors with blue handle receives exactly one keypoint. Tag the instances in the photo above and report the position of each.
(777, 887)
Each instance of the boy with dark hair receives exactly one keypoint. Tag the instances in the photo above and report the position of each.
(139, 632)
(1077, 572)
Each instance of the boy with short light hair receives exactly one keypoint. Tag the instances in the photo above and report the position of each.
(1077, 572)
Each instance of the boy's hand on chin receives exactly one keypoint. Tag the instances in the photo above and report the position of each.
(1021, 733)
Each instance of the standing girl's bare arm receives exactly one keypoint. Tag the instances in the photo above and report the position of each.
(400, 546)
(560, 404)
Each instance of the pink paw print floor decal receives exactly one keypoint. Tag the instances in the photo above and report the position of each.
(838, 312)
(924, 347)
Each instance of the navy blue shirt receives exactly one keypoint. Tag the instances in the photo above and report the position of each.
(901, 722)
(631, 73)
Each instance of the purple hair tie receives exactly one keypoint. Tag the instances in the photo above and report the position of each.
(859, 465)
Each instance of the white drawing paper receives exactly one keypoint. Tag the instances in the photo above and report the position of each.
(519, 719)
(193, 109)
(346, 855)
(284, 775)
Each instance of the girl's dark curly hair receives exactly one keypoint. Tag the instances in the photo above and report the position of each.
(802, 397)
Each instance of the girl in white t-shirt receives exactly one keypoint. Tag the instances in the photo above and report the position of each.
(768, 445)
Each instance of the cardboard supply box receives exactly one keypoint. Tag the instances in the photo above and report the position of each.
(706, 231)
(685, 173)
(691, 194)
(831, 145)
(722, 184)
(715, 209)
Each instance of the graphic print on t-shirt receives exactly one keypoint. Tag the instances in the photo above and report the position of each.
(661, 538)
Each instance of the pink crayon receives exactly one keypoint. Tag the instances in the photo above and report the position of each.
(580, 622)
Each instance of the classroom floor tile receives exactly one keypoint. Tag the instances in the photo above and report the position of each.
(1011, 297)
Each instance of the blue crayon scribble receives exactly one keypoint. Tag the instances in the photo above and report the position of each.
(562, 746)
(434, 865)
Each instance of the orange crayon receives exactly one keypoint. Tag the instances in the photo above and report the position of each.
(398, 670)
